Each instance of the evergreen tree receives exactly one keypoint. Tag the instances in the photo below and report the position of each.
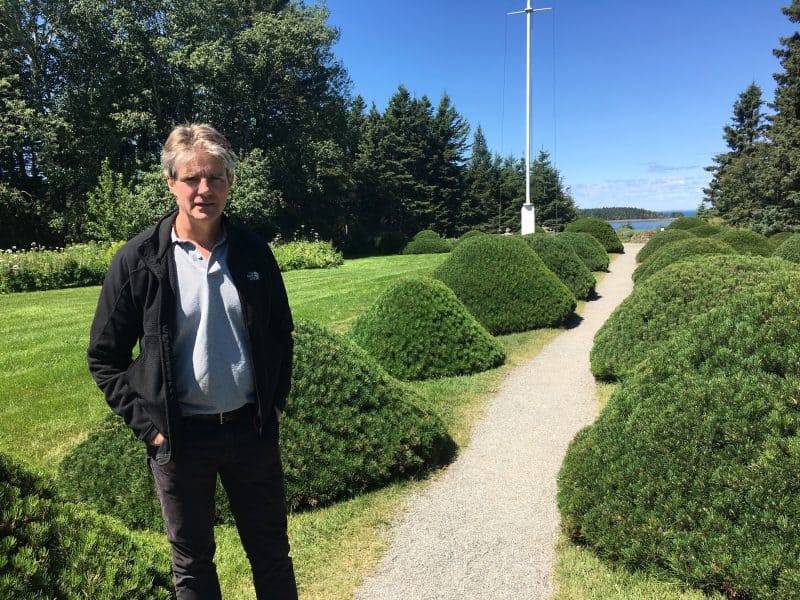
(553, 205)
(479, 205)
(736, 189)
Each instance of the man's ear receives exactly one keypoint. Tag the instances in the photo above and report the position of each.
(170, 184)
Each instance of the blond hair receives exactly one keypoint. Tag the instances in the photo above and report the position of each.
(190, 138)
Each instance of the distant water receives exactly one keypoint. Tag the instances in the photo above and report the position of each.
(644, 224)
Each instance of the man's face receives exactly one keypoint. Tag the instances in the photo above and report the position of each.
(200, 187)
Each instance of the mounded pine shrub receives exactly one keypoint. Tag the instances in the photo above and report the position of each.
(776, 239)
(664, 303)
(108, 471)
(505, 285)
(705, 230)
(588, 249)
(677, 251)
(468, 234)
(53, 549)
(600, 230)
(418, 329)
(686, 223)
(789, 249)
(662, 238)
(692, 466)
(348, 427)
(561, 259)
(745, 241)
(427, 242)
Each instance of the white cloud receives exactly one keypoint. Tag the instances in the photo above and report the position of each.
(655, 193)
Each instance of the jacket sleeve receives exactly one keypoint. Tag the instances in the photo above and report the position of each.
(282, 325)
(116, 328)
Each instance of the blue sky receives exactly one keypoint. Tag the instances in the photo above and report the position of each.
(629, 96)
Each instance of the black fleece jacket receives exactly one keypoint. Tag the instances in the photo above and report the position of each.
(138, 303)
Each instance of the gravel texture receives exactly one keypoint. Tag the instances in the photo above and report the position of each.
(487, 525)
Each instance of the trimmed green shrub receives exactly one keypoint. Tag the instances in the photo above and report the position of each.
(662, 238)
(600, 229)
(561, 259)
(677, 251)
(776, 239)
(108, 471)
(348, 427)
(745, 241)
(418, 329)
(427, 242)
(505, 285)
(789, 249)
(687, 223)
(692, 466)
(588, 249)
(306, 255)
(705, 230)
(52, 549)
(666, 302)
(467, 235)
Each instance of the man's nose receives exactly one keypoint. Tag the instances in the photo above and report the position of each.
(203, 186)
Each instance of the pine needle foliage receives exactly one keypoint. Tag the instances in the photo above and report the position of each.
(745, 241)
(562, 260)
(53, 549)
(686, 223)
(691, 467)
(702, 231)
(662, 238)
(778, 238)
(349, 426)
(789, 249)
(600, 230)
(677, 251)
(418, 329)
(505, 285)
(427, 242)
(588, 249)
(109, 472)
(666, 302)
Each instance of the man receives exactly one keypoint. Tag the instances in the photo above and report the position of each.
(206, 303)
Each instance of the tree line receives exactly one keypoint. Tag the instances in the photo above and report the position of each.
(756, 183)
(89, 89)
(621, 213)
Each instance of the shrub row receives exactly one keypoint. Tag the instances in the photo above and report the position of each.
(427, 242)
(789, 249)
(667, 301)
(53, 549)
(505, 285)
(588, 249)
(600, 230)
(679, 250)
(558, 256)
(691, 467)
(349, 427)
(662, 238)
(418, 329)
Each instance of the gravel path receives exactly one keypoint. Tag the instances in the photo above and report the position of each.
(485, 528)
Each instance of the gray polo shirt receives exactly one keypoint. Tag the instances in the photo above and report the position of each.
(213, 369)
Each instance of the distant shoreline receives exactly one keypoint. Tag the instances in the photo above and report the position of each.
(641, 220)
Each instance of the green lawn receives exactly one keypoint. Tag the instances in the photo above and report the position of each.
(48, 402)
